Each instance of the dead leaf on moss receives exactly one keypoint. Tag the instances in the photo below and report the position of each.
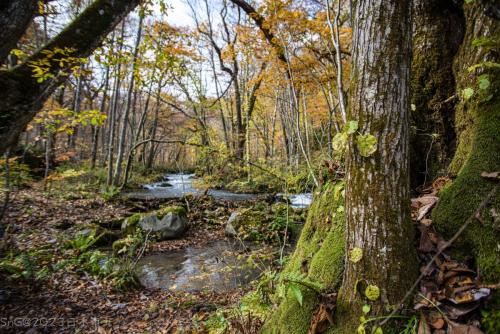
(491, 175)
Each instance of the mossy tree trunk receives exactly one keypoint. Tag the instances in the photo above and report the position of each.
(437, 33)
(378, 187)
(318, 256)
(377, 198)
(477, 124)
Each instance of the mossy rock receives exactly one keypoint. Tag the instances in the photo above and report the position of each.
(319, 256)
(177, 209)
(120, 244)
(129, 225)
(103, 237)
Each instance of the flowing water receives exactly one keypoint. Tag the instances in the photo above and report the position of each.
(218, 266)
(178, 185)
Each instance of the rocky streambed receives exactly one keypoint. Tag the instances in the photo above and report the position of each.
(254, 231)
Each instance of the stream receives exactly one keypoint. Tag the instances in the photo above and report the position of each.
(217, 266)
(178, 185)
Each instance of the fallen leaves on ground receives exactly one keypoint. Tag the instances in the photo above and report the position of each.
(450, 294)
(78, 302)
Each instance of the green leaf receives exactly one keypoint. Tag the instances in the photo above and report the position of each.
(366, 308)
(297, 293)
(367, 144)
(339, 142)
(378, 330)
(356, 255)
(372, 292)
(469, 1)
(351, 127)
(483, 82)
(361, 329)
(467, 93)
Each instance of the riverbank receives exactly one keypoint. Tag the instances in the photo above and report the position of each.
(51, 285)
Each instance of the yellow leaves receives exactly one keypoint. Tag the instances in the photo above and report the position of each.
(56, 61)
(356, 255)
(372, 292)
(60, 120)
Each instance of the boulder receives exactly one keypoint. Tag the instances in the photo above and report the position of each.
(129, 225)
(167, 223)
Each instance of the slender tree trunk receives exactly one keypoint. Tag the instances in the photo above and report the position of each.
(123, 128)
(154, 126)
(114, 110)
(95, 135)
(77, 103)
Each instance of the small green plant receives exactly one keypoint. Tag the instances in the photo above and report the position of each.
(24, 265)
(83, 242)
(109, 193)
(294, 283)
(365, 142)
(216, 323)
(491, 321)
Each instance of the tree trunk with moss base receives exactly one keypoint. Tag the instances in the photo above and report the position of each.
(377, 199)
(478, 128)
(437, 34)
(319, 256)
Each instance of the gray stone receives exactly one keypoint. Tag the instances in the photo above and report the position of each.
(171, 226)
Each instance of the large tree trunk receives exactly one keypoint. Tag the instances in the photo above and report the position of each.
(377, 197)
(437, 34)
(477, 125)
(21, 96)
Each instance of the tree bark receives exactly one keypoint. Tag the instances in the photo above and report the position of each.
(437, 34)
(378, 192)
(15, 16)
(21, 96)
(477, 124)
(123, 129)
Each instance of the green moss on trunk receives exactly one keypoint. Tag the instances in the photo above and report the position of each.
(319, 255)
(477, 124)
(438, 31)
(480, 152)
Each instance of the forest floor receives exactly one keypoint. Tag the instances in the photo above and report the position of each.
(71, 301)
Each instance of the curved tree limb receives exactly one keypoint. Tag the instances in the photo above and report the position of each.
(21, 96)
(259, 21)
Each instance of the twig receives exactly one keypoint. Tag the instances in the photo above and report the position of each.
(440, 251)
(142, 249)
(7, 189)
